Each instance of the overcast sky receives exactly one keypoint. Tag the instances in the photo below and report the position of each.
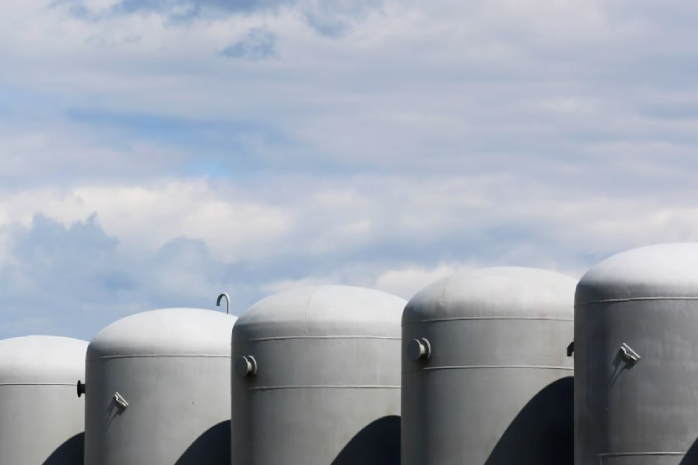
(155, 153)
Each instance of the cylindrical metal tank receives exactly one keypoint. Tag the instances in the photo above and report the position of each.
(158, 390)
(316, 379)
(41, 419)
(486, 378)
(636, 352)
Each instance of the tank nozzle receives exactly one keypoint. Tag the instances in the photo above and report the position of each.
(419, 349)
(246, 366)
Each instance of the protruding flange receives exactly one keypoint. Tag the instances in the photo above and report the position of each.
(82, 388)
(246, 366)
(418, 349)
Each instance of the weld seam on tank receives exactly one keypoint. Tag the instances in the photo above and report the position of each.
(322, 386)
(471, 318)
(633, 454)
(37, 384)
(473, 367)
(109, 357)
(285, 338)
(631, 299)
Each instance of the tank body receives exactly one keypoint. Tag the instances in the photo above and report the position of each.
(636, 346)
(486, 378)
(158, 390)
(41, 418)
(319, 383)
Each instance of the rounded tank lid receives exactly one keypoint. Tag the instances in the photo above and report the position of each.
(323, 311)
(651, 272)
(171, 331)
(42, 360)
(500, 292)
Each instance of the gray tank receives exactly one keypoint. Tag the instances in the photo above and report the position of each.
(158, 390)
(486, 378)
(317, 379)
(41, 419)
(636, 349)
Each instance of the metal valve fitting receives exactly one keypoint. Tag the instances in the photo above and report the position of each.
(419, 349)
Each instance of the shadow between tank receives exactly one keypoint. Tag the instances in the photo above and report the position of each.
(71, 451)
(376, 444)
(543, 432)
(211, 448)
(691, 457)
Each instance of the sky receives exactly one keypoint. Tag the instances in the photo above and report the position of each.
(155, 153)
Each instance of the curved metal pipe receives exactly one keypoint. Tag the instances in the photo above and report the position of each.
(227, 302)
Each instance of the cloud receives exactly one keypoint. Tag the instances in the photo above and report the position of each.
(332, 27)
(423, 137)
(258, 44)
(329, 18)
(495, 84)
(175, 10)
(178, 243)
(407, 281)
(190, 7)
(147, 217)
(54, 273)
(75, 279)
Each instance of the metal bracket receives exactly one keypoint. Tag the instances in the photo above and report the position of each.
(629, 354)
(570, 349)
(120, 401)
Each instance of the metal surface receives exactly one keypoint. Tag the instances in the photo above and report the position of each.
(41, 419)
(497, 387)
(227, 302)
(327, 389)
(158, 390)
(631, 409)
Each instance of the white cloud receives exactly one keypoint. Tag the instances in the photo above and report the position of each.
(403, 281)
(144, 218)
(406, 282)
(475, 85)
(289, 284)
(412, 139)
(181, 243)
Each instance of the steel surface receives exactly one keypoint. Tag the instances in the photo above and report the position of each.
(327, 384)
(496, 388)
(158, 390)
(41, 419)
(636, 344)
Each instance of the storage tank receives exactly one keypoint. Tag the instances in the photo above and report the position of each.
(41, 419)
(158, 390)
(486, 378)
(317, 379)
(636, 352)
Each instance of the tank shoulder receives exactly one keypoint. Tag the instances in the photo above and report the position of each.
(656, 271)
(171, 331)
(41, 360)
(515, 292)
(323, 310)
